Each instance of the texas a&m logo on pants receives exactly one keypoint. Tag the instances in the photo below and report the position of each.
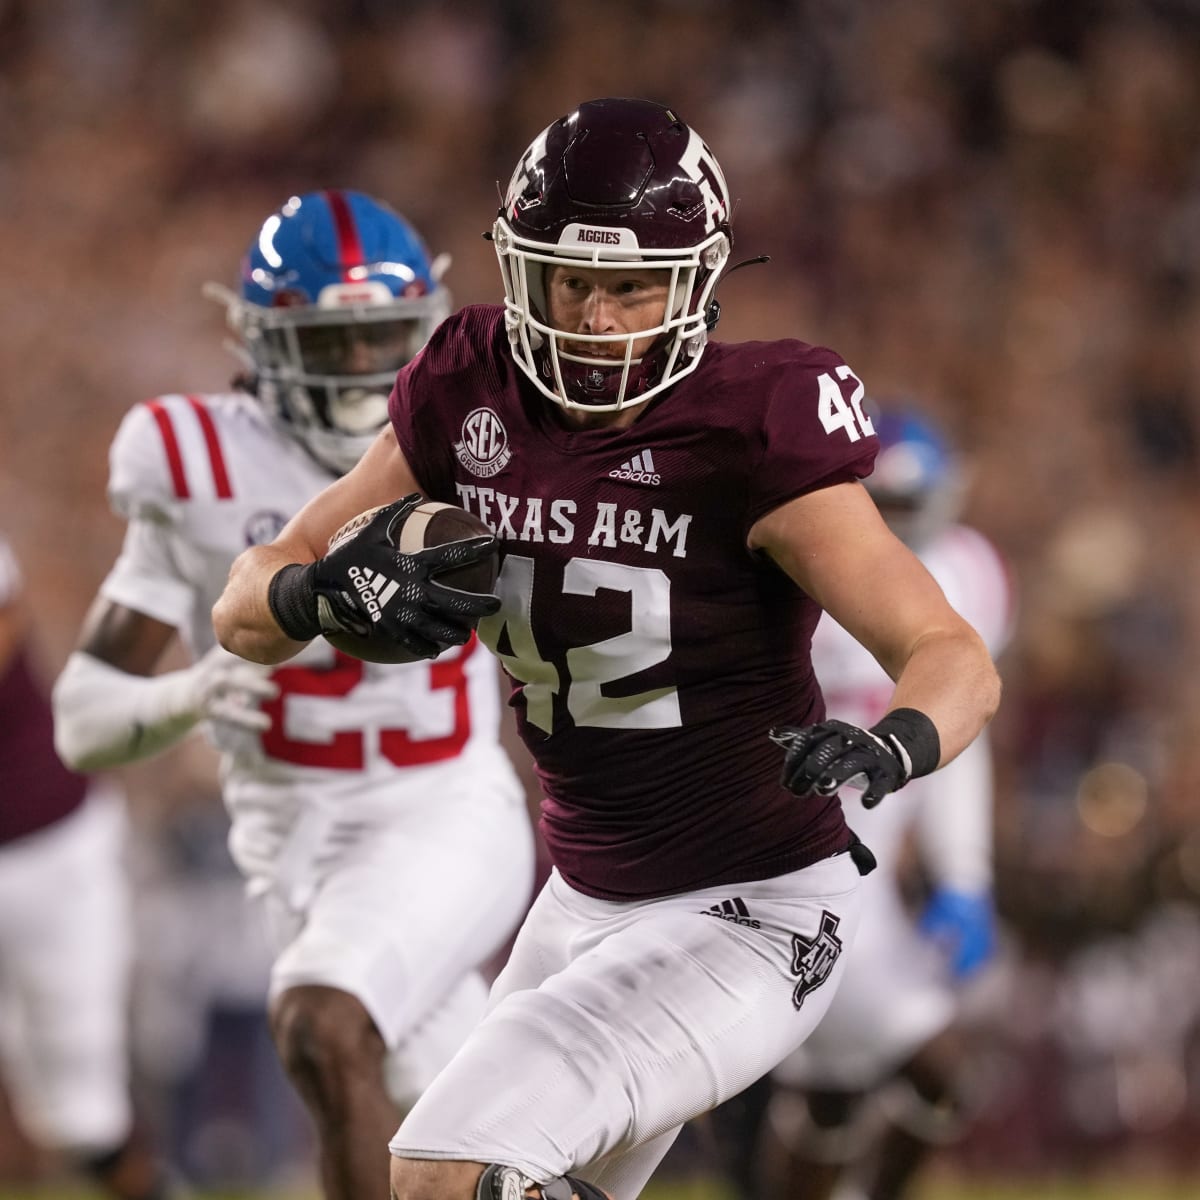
(813, 958)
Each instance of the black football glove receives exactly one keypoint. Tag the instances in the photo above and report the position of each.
(367, 587)
(822, 758)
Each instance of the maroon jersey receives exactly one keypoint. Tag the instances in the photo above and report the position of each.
(650, 650)
(36, 788)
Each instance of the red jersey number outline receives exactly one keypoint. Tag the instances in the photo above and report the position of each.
(346, 750)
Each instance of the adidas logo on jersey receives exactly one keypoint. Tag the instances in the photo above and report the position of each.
(734, 910)
(374, 589)
(639, 469)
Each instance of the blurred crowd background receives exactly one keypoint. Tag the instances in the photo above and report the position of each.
(991, 208)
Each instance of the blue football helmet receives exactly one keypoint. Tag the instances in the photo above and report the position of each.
(918, 480)
(337, 293)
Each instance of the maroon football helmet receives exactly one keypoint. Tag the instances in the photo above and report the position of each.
(615, 184)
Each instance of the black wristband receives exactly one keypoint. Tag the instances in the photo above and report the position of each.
(293, 601)
(916, 734)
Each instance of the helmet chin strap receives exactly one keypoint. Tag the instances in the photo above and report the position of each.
(712, 313)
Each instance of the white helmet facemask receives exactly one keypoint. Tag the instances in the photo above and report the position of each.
(326, 371)
(604, 382)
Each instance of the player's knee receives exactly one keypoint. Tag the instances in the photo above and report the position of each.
(927, 1100)
(129, 1169)
(831, 1110)
(429, 1179)
(937, 1116)
(826, 1127)
(325, 1038)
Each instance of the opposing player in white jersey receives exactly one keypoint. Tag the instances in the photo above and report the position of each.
(887, 1055)
(65, 948)
(374, 813)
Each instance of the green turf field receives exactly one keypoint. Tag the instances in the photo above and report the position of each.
(947, 1188)
(942, 1188)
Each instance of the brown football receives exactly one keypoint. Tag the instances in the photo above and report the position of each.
(431, 523)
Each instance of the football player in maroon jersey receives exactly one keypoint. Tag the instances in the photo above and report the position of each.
(672, 516)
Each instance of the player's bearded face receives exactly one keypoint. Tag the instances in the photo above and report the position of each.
(606, 303)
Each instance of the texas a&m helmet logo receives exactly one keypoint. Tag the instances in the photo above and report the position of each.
(702, 168)
(521, 194)
(813, 958)
(484, 449)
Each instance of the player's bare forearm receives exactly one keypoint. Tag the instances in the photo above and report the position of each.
(835, 545)
(242, 617)
(950, 677)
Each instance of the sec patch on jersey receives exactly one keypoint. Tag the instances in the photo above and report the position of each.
(430, 523)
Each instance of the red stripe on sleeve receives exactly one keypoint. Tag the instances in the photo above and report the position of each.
(215, 455)
(171, 445)
(349, 247)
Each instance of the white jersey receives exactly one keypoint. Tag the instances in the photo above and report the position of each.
(956, 837)
(862, 1040)
(199, 478)
(65, 947)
